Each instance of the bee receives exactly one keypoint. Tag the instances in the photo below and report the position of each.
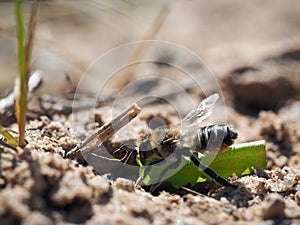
(185, 139)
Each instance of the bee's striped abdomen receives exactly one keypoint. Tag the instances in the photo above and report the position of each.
(216, 137)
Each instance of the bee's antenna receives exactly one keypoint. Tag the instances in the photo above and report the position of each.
(110, 159)
(125, 145)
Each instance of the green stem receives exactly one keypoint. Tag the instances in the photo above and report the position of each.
(22, 91)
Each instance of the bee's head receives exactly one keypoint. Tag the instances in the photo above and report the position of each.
(148, 155)
(145, 149)
(230, 137)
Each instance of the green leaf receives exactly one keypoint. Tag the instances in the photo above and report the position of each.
(239, 159)
(9, 138)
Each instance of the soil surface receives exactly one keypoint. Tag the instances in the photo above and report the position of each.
(40, 185)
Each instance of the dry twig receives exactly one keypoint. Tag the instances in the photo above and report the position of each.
(104, 133)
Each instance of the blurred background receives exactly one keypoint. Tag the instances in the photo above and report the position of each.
(70, 34)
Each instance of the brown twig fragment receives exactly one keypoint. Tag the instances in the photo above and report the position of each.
(30, 37)
(137, 55)
(104, 133)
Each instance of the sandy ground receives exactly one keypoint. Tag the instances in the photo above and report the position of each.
(255, 56)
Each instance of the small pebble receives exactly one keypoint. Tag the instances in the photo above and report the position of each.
(224, 200)
(273, 206)
(62, 141)
(124, 184)
(281, 161)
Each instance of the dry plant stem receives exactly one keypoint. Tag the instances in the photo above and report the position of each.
(104, 133)
(193, 192)
(155, 27)
(30, 37)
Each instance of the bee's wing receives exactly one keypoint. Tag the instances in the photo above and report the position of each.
(196, 116)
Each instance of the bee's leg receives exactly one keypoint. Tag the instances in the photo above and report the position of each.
(128, 153)
(210, 172)
(125, 145)
(162, 176)
(128, 157)
(139, 181)
(154, 187)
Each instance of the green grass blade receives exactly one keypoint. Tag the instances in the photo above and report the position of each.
(21, 86)
(8, 137)
(239, 159)
(20, 37)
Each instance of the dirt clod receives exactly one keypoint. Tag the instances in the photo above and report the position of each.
(273, 206)
(124, 184)
(263, 85)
